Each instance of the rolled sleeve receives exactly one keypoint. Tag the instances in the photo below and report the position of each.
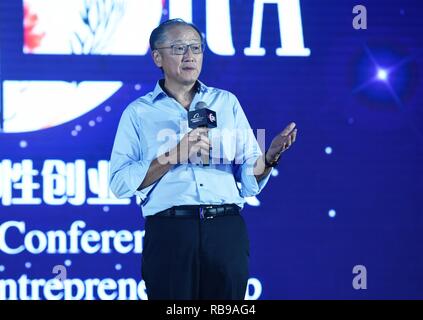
(249, 185)
(128, 165)
(126, 180)
(247, 153)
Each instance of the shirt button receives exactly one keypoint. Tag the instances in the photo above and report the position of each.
(201, 184)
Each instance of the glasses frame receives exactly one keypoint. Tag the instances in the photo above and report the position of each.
(185, 50)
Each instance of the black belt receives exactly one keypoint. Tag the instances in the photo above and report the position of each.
(201, 211)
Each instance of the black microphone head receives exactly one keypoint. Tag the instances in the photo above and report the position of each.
(200, 105)
(202, 116)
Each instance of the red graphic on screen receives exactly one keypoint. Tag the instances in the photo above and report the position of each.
(32, 39)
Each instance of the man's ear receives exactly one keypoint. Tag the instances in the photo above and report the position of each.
(157, 58)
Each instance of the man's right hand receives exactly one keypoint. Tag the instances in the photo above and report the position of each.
(194, 142)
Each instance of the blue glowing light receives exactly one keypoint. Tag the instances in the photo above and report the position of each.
(382, 74)
(332, 213)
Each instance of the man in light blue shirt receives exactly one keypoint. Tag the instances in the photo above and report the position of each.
(196, 245)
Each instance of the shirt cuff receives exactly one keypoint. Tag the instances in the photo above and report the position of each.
(249, 185)
(126, 182)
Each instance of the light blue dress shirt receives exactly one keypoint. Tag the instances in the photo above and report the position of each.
(155, 123)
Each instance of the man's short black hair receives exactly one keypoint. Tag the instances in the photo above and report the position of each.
(159, 33)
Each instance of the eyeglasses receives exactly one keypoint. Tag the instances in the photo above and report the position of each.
(181, 49)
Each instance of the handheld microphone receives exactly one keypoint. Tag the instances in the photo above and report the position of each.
(202, 116)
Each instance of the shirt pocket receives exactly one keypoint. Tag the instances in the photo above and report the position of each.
(164, 135)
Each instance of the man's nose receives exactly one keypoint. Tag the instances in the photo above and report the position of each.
(189, 55)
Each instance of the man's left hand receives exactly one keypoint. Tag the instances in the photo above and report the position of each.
(281, 143)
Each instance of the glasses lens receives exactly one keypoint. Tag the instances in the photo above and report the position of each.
(179, 49)
(196, 48)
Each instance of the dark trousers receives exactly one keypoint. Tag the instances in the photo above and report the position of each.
(193, 258)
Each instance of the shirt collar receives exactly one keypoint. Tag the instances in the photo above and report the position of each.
(158, 90)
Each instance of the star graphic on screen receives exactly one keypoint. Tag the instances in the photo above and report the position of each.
(384, 74)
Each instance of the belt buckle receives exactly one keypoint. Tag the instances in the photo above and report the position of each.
(202, 215)
(212, 215)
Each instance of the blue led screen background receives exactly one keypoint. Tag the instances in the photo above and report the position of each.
(347, 195)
